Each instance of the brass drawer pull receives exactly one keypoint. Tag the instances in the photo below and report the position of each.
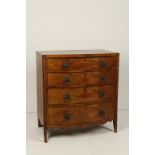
(102, 64)
(66, 97)
(101, 93)
(101, 113)
(66, 79)
(67, 116)
(102, 78)
(66, 65)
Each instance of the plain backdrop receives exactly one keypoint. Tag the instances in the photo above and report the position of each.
(77, 24)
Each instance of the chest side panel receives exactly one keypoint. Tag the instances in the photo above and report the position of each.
(39, 66)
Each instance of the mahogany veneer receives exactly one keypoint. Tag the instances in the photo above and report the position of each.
(76, 89)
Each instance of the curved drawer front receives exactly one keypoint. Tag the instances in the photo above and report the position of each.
(73, 116)
(65, 79)
(83, 78)
(99, 112)
(80, 95)
(73, 64)
(65, 115)
(101, 77)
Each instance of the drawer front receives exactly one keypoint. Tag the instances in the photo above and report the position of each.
(56, 65)
(68, 116)
(65, 115)
(80, 95)
(65, 79)
(101, 77)
(77, 79)
(99, 112)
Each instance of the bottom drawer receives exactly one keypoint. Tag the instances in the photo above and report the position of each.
(64, 117)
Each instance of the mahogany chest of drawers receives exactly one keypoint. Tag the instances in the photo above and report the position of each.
(76, 89)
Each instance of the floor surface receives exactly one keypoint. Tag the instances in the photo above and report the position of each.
(98, 141)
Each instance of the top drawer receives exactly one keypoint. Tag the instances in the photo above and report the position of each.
(77, 64)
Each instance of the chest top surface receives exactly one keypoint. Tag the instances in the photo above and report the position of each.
(77, 53)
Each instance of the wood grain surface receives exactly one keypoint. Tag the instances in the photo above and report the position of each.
(81, 95)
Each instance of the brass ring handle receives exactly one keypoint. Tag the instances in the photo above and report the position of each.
(66, 79)
(101, 113)
(67, 116)
(66, 65)
(66, 97)
(101, 93)
(102, 78)
(102, 64)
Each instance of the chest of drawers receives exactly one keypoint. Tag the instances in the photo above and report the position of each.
(76, 89)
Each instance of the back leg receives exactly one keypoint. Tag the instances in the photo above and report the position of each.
(39, 124)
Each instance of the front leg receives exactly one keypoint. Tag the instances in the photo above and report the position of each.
(115, 125)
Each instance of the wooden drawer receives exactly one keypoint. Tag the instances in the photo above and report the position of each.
(81, 95)
(101, 77)
(65, 79)
(80, 79)
(99, 112)
(73, 64)
(65, 115)
(73, 116)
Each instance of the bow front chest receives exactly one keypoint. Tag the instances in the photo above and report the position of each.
(76, 89)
